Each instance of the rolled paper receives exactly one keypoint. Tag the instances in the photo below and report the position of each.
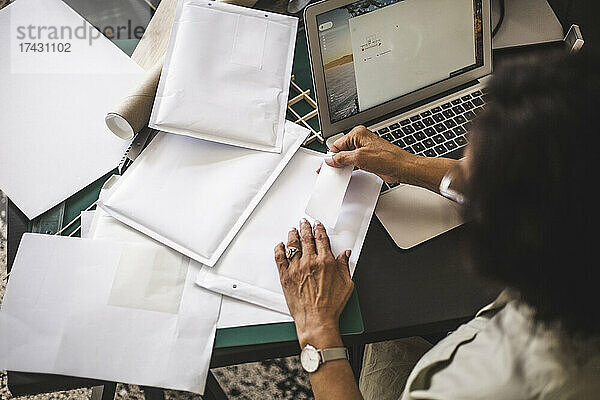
(132, 113)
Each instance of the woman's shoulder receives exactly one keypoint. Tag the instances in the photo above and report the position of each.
(507, 356)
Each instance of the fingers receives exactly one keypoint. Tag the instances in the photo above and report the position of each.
(343, 143)
(347, 149)
(350, 141)
(343, 262)
(294, 239)
(321, 239)
(342, 159)
(306, 238)
(280, 258)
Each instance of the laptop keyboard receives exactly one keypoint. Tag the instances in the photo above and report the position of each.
(437, 131)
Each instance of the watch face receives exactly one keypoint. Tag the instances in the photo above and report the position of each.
(309, 358)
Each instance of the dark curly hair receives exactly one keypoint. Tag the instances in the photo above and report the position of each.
(532, 201)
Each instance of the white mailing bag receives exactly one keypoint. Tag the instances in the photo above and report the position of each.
(247, 270)
(193, 195)
(233, 312)
(226, 75)
(77, 307)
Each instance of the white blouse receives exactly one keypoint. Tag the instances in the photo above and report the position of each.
(506, 356)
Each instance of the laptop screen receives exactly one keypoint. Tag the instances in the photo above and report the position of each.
(375, 51)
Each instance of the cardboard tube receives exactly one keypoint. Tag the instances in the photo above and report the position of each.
(132, 113)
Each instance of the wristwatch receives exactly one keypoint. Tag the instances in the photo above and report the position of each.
(311, 358)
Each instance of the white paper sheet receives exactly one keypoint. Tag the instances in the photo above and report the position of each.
(247, 269)
(193, 195)
(227, 74)
(54, 140)
(233, 312)
(57, 318)
(86, 219)
(160, 287)
(328, 193)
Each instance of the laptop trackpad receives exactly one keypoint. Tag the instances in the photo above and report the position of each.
(412, 215)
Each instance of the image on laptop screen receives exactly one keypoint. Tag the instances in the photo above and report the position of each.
(375, 51)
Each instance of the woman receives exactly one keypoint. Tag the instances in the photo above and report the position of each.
(526, 180)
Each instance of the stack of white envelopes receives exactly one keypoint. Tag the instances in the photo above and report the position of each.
(182, 243)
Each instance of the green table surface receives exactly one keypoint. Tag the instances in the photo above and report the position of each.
(351, 320)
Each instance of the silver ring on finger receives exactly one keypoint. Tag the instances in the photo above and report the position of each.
(291, 251)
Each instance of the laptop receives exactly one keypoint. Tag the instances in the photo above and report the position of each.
(413, 72)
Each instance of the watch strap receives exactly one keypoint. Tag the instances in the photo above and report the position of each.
(334, 353)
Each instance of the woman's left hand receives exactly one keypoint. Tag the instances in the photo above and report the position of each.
(316, 284)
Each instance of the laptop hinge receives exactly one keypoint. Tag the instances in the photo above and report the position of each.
(421, 103)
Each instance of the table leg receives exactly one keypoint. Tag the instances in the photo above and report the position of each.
(213, 390)
(357, 352)
(152, 393)
(104, 392)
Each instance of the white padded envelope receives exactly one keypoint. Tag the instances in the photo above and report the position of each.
(74, 307)
(193, 195)
(247, 270)
(233, 312)
(226, 75)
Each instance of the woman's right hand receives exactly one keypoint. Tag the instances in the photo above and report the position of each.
(367, 151)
